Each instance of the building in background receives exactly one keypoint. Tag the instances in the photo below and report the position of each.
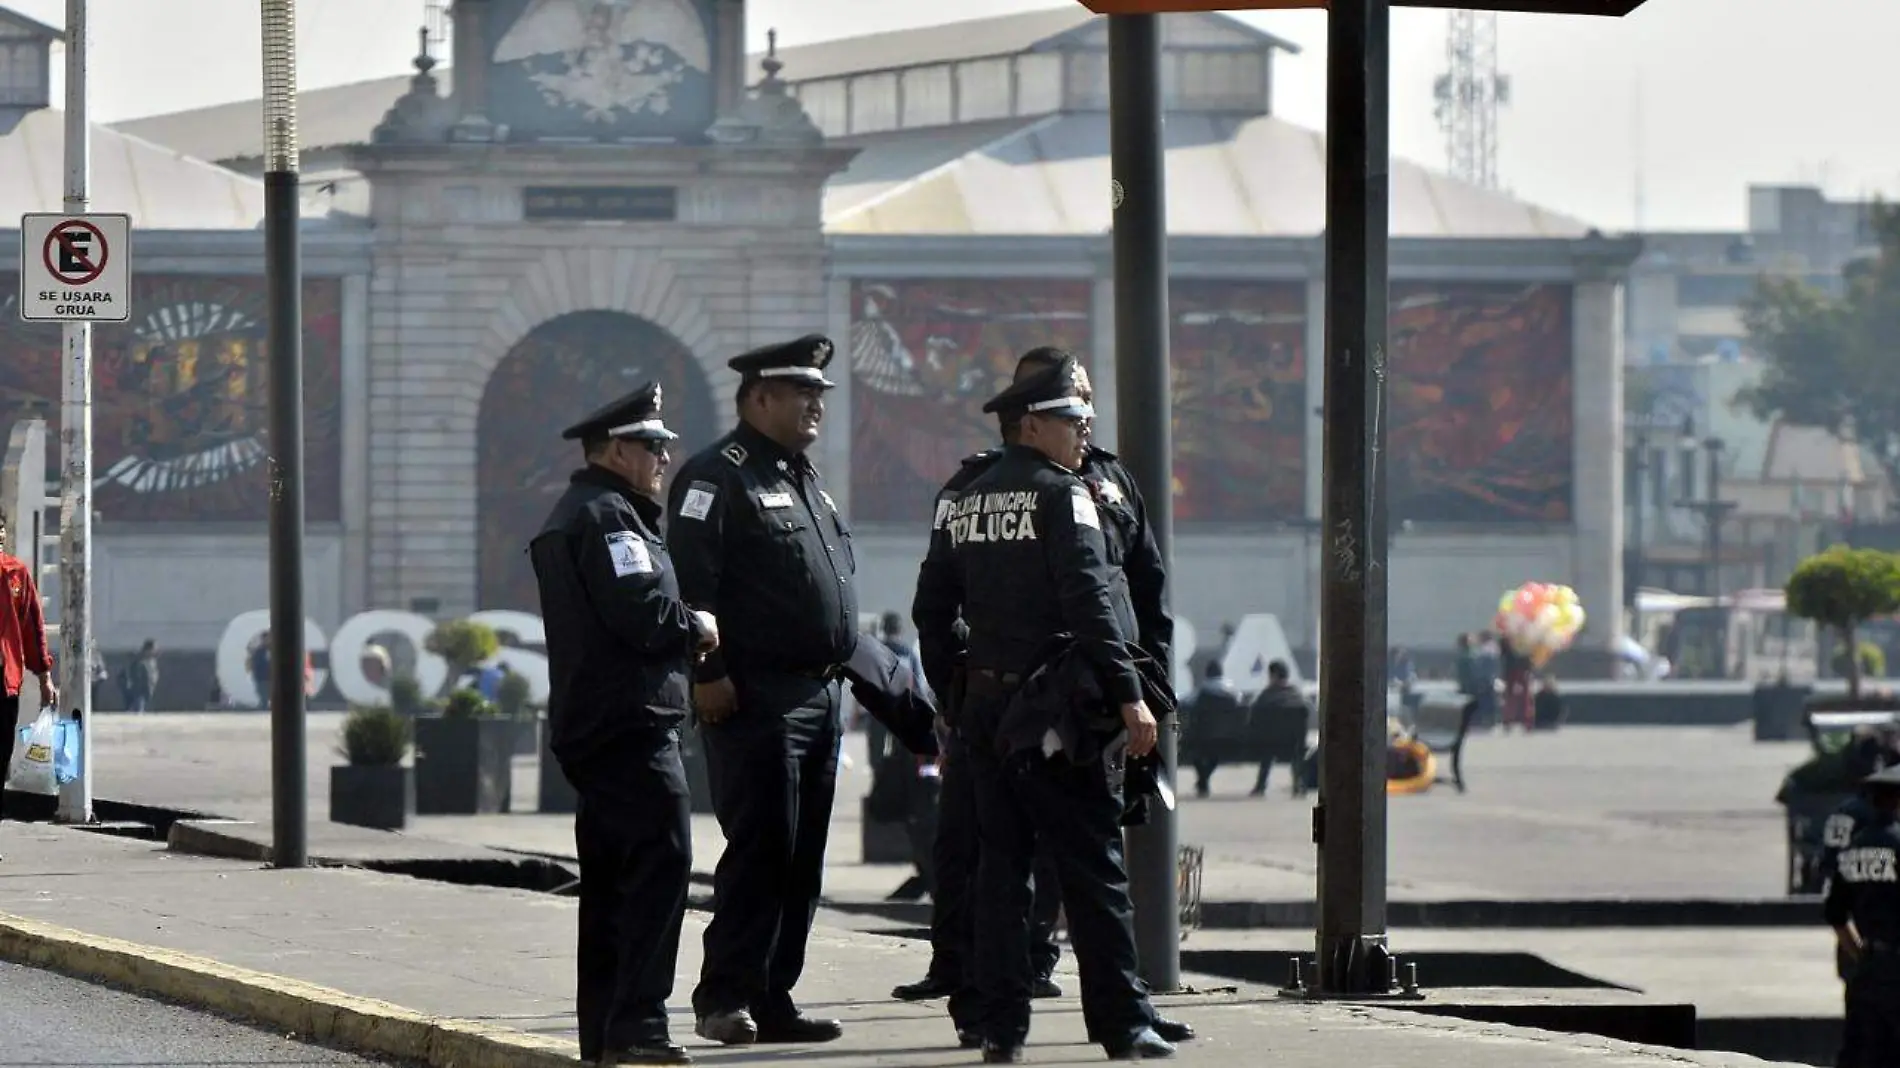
(1792, 488)
(644, 201)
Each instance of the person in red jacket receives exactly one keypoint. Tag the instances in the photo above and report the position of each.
(22, 644)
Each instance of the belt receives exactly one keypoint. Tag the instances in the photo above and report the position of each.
(988, 682)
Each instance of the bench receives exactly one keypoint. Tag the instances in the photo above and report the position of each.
(1442, 722)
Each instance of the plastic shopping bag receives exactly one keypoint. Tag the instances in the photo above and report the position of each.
(66, 750)
(32, 768)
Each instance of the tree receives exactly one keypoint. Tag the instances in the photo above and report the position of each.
(1843, 588)
(1830, 360)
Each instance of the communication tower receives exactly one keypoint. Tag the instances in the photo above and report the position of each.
(1468, 96)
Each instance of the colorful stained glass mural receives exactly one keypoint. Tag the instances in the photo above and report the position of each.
(1239, 363)
(180, 398)
(1481, 395)
(925, 355)
(564, 369)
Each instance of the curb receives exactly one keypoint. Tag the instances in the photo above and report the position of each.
(304, 1010)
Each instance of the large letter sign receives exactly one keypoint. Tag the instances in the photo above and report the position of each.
(346, 653)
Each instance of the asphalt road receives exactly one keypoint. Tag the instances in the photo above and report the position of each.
(51, 1021)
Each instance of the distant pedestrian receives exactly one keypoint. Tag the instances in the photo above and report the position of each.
(23, 647)
(138, 680)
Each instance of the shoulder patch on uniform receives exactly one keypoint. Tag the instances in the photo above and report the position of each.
(699, 500)
(629, 554)
(734, 452)
(1083, 507)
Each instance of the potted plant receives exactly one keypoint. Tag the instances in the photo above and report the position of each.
(464, 758)
(373, 789)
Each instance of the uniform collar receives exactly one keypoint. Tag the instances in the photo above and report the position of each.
(595, 475)
(1034, 455)
(756, 444)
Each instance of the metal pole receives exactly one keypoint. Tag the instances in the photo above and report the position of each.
(288, 802)
(1144, 400)
(1350, 824)
(1715, 517)
(75, 433)
(1632, 584)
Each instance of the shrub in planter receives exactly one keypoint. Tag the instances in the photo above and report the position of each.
(464, 757)
(374, 789)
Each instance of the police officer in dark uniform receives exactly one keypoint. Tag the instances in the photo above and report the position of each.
(620, 649)
(1863, 758)
(1863, 907)
(759, 543)
(1029, 563)
(1132, 547)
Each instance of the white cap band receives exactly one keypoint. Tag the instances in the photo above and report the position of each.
(812, 373)
(637, 428)
(1061, 402)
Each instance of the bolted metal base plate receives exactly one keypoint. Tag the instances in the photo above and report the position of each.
(1308, 994)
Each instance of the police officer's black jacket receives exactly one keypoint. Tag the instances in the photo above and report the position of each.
(1064, 694)
(1853, 814)
(1028, 561)
(1131, 547)
(620, 641)
(760, 545)
(887, 691)
(1866, 888)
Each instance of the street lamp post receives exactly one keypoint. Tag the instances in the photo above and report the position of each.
(289, 820)
(1713, 509)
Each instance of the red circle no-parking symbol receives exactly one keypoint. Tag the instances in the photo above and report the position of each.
(75, 252)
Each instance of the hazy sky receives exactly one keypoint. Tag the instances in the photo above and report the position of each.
(1732, 91)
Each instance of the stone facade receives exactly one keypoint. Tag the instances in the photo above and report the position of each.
(460, 278)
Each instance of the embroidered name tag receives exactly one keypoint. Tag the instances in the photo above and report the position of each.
(775, 500)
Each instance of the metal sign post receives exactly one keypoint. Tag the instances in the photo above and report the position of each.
(75, 435)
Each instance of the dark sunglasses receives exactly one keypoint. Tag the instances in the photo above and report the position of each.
(657, 448)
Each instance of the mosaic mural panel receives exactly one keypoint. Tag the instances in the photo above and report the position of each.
(925, 355)
(1239, 364)
(1481, 422)
(181, 398)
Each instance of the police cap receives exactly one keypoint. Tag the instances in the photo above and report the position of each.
(800, 362)
(635, 416)
(1888, 777)
(1055, 390)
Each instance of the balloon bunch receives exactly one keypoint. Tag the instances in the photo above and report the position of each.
(1540, 619)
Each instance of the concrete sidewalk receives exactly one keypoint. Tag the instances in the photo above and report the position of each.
(471, 978)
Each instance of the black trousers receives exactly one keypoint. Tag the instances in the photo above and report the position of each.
(1870, 1034)
(1077, 812)
(773, 767)
(633, 831)
(954, 857)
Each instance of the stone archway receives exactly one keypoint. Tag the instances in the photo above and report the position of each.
(563, 369)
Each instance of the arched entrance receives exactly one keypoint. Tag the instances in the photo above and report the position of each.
(563, 369)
